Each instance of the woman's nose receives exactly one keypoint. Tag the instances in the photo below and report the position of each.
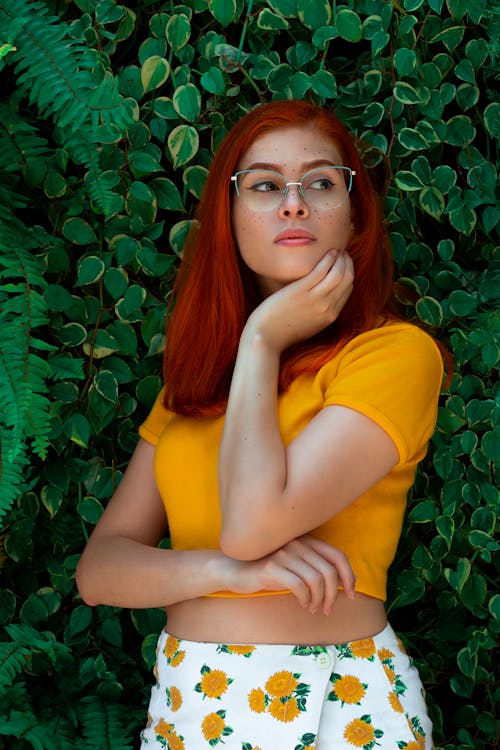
(293, 203)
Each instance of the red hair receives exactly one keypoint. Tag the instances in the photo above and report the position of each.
(215, 292)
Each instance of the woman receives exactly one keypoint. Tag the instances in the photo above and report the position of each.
(295, 410)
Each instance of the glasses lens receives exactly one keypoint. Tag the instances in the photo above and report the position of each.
(323, 188)
(326, 187)
(262, 189)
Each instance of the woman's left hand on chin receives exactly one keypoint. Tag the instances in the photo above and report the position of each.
(304, 307)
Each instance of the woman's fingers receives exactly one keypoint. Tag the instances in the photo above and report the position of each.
(312, 570)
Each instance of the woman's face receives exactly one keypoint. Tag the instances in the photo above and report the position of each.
(285, 243)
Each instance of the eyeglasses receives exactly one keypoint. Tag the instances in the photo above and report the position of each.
(322, 188)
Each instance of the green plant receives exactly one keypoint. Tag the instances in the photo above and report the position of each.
(109, 118)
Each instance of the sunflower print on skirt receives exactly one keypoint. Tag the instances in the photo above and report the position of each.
(213, 727)
(213, 684)
(284, 696)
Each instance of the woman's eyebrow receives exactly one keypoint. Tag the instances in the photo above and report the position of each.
(304, 166)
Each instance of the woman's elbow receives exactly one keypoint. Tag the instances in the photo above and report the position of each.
(83, 580)
(242, 545)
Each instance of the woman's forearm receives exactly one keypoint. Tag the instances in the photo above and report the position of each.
(252, 456)
(123, 572)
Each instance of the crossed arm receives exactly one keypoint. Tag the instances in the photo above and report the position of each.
(271, 496)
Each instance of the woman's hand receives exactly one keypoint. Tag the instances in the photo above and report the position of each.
(306, 306)
(308, 567)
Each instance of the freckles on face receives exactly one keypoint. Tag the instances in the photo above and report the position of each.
(285, 243)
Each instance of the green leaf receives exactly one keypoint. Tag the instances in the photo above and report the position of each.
(52, 498)
(213, 81)
(154, 72)
(167, 194)
(77, 429)
(424, 512)
(223, 11)
(429, 311)
(115, 281)
(348, 24)
(405, 61)
(432, 201)
(457, 578)
(178, 31)
(57, 297)
(460, 131)
(314, 14)
(72, 334)
(90, 509)
(406, 93)
(412, 139)
(194, 179)
(141, 201)
(476, 50)
(54, 184)
(373, 114)
(106, 385)
(79, 231)
(279, 78)
(410, 588)
(324, 84)
(183, 144)
(187, 102)
(79, 621)
(491, 116)
(178, 235)
(465, 71)
(143, 163)
(271, 21)
(408, 181)
(90, 269)
(450, 37)
(462, 303)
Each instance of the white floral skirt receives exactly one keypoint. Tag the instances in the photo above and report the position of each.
(363, 694)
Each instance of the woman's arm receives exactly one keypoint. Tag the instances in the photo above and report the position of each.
(271, 494)
(122, 566)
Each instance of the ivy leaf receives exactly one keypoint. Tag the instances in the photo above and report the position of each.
(213, 81)
(183, 143)
(79, 231)
(348, 25)
(313, 15)
(178, 31)
(154, 72)
(223, 11)
(187, 102)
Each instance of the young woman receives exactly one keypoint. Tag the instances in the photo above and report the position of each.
(295, 410)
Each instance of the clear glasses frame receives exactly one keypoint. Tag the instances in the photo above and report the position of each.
(350, 173)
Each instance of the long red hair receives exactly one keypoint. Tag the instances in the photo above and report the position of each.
(215, 292)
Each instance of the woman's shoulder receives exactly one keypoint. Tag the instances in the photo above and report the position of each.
(400, 345)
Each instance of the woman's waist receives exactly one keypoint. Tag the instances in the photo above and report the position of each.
(275, 619)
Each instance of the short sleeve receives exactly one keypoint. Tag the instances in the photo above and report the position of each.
(393, 375)
(156, 421)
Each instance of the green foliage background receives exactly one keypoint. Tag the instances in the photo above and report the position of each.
(109, 116)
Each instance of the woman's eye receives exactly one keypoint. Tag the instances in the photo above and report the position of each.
(321, 184)
(265, 187)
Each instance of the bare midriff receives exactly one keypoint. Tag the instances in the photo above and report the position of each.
(275, 619)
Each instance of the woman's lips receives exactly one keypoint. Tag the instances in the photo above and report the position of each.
(293, 237)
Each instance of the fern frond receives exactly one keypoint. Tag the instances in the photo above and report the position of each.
(20, 142)
(10, 199)
(13, 462)
(12, 662)
(59, 75)
(26, 725)
(103, 725)
(24, 413)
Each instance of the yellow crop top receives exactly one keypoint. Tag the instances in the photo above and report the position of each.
(391, 374)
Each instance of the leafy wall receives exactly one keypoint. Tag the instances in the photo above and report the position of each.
(109, 115)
